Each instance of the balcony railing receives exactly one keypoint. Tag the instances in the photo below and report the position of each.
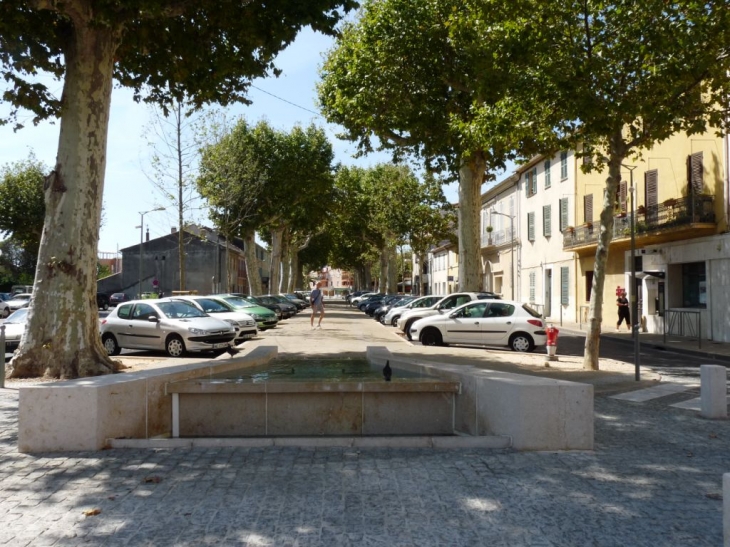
(672, 213)
(495, 239)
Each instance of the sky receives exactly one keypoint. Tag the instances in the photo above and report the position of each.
(285, 101)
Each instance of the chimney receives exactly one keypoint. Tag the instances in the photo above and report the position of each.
(147, 239)
(173, 230)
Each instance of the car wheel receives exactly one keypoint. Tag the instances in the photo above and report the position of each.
(408, 326)
(521, 342)
(105, 307)
(110, 344)
(431, 337)
(174, 346)
(394, 322)
(6, 312)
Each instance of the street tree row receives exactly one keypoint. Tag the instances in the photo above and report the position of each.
(466, 85)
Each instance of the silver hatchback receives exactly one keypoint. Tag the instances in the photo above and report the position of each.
(167, 325)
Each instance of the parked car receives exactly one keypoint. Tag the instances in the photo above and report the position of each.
(352, 295)
(369, 298)
(393, 315)
(355, 300)
(265, 318)
(243, 322)
(284, 310)
(102, 301)
(388, 304)
(172, 326)
(375, 303)
(296, 300)
(284, 300)
(118, 298)
(20, 300)
(444, 305)
(4, 308)
(5, 296)
(14, 328)
(484, 323)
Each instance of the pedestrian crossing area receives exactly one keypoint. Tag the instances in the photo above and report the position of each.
(664, 390)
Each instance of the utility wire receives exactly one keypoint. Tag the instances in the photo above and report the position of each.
(289, 102)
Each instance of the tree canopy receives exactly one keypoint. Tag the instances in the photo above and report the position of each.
(204, 52)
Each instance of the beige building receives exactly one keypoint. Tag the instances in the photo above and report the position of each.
(682, 253)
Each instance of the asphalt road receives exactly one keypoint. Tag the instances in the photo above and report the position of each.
(668, 363)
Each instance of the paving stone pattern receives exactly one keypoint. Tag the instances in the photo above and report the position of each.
(653, 480)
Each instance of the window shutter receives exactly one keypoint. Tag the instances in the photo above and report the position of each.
(651, 180)
(532, 286)
(563, 214)
(531, 226)
(588, 208)
(534, 180)
(696, 171)
(622, 196)
(546, 221)
(563, 165)
(528, 186)
(564, 285)
(547, 174)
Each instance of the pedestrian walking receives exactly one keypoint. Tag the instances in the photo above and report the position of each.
(623, 311)
(316, 298)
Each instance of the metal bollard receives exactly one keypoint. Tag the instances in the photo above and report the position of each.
(2, 352)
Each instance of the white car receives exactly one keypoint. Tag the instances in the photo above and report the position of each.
(355, 301)
(244, 324)
(169, 325)
(18, 301)
(444, 305)
(484, 323)
(391, 318)
(14, 328)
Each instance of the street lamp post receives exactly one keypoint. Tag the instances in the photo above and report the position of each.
(635, 323)
(512, 235)
(141, 243)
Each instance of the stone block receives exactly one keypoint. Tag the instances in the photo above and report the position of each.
(713, 391)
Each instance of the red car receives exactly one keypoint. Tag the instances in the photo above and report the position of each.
(118, 298)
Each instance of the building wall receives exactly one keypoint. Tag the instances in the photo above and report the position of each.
(669, 159)
(547, 273)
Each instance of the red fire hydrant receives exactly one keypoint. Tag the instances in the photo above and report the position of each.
(552, 342)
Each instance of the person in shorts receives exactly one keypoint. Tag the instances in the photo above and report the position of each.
(316, 298)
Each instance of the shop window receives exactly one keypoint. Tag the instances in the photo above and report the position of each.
(694, 285)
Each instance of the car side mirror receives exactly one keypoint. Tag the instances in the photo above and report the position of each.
(153, 319)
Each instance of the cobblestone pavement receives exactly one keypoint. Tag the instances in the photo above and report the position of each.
(654, 480)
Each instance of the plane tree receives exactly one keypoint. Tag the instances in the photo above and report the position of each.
(207, 51)
(618, 77)
(282, 180)
(406, 78)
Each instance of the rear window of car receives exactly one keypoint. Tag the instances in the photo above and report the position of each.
(532, 312)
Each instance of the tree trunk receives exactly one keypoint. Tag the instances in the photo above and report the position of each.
(277, 235)
(616, 154)
(383, 271)
(471, 176)
(285, 260)
(62, 335)
(253, 267)
(392, 270)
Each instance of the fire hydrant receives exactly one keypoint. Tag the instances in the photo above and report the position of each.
(552, 342)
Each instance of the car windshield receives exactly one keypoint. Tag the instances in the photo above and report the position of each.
(237, 302)
(20, 316)
(21, 297)
(213, 306)
(179, 310)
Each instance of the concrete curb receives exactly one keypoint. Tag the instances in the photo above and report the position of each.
(494, 442)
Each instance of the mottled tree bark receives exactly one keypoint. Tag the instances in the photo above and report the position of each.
(471, 177)
(253, 265)
(62, 336)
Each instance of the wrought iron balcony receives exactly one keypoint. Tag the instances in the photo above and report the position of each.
(495, 239)
(671, 215)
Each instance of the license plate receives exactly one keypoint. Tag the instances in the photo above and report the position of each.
(248, 336)
(219, 346)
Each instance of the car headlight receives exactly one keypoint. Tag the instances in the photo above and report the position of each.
(199, 332)
(231, 322)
